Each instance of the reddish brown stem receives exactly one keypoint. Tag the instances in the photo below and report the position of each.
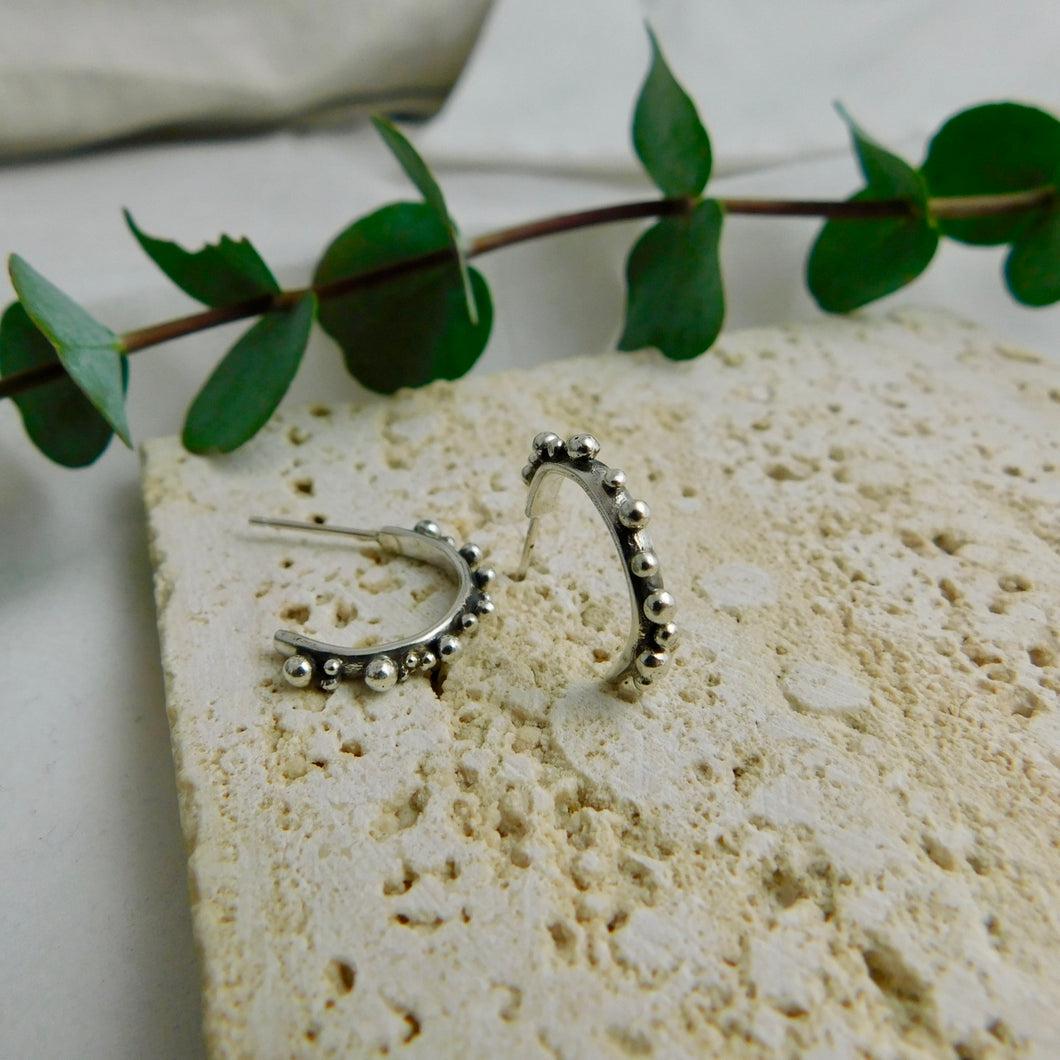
(949, 208)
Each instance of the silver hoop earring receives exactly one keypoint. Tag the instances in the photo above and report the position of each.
(653, 634)
(383, 666)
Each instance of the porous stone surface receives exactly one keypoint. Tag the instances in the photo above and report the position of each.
(829, 831)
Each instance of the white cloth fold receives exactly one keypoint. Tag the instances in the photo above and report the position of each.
(73, 73)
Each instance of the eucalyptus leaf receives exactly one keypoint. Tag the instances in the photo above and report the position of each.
(60, 421)
(246, 387)
(887, 175)
(675, 298)
(90, 352)
(219, 274)
(418, 172)
(412, 328)
(1032, 270)
(990, 150)
(669, 138)
(854, 261)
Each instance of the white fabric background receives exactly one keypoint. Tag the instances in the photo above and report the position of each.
(77, 73)
(95, 949)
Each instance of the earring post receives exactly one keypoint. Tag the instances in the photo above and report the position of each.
(295, 524)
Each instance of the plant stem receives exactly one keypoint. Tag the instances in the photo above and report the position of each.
(949, 209)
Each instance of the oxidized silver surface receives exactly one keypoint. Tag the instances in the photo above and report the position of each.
(652, 634)
(384, 665)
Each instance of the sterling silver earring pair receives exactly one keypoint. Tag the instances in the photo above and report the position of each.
(652, 636)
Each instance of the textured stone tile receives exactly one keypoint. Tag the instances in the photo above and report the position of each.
(830, 831)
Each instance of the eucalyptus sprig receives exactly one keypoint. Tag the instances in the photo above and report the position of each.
(398, 294)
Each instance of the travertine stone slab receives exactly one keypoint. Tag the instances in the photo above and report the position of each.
(831, 831)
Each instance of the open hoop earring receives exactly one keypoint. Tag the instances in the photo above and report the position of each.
(385, 665)
(653, 634)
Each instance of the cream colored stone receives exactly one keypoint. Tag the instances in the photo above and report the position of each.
(817, 688)
(734, 587)
(828, 832)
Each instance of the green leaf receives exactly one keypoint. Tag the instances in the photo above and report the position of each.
(413, 165)
(219, 274)
(857, 260)
(668, 136)
(887, 175)
(410, 329)
(417, 171)
(1032, 270)
(60, 421)
(245, 388)
(990, 150)
(88, 351)
(675, 297)
(854, 262)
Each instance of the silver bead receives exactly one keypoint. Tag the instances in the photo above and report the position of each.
(381, 674)
(329, 684)
(450, 540)
(468, 621)
(660, 607)
(428, 661)
(582, 447)
(547, 445)
(484, 605)
(666, 635)
(333, 667)
(472, 555)
(298, 670)
(410, 662)
(614, 479)
(644, 564)
(448, 646)
(428, 527)
(634, 515)
(651, 664)
(483, 576)
(528, 473)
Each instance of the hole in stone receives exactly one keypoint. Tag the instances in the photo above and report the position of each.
(352, 747)
(295, 613)
(1015, 583)
(1040, 656)
(562, 936)
(303, 485)
(438, 676)
(949, 591)
(939, 853)
(344, 975)
(781, 473)
(893, 976)
(392, 888)
(296, 436)
(414, 1026)
(785, 887)
(319, 410)
(949, 542)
